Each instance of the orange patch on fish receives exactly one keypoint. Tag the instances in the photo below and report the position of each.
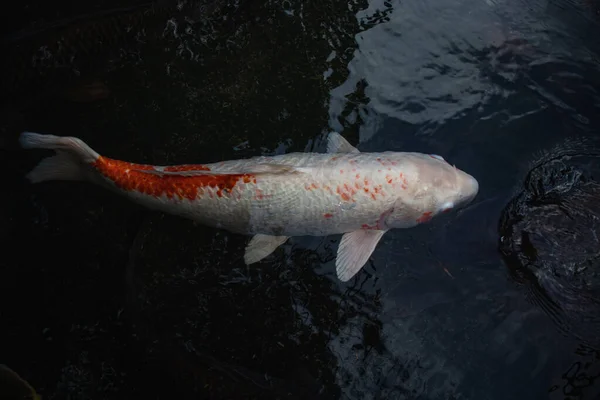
(404, 181)
(148, 180)
(259, 195)
(328, 215)
(346, 191)
(311, 186)
(426, 216)
(381, 221)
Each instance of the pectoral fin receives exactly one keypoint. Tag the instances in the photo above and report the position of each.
(337, 144)
(354, 251)
(261, 246)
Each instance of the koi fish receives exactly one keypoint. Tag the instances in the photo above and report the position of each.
(342, 191)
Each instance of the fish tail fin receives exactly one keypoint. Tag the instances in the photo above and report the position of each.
(68, 164)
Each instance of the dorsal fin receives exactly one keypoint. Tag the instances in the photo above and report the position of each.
(337, 144)
(250, 169)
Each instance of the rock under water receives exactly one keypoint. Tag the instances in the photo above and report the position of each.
(549, 238)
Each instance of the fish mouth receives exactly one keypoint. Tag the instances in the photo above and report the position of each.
(469, 188)
(474, 187)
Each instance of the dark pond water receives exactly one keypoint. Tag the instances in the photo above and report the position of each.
(101, 299)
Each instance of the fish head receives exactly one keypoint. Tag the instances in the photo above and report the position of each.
(435, 187)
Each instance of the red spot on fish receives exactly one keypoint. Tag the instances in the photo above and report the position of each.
(357, 185)
(373, 196)
(345, 197)
(394, 163)
(426, 216)
(314, 186)
(366, 182)
(328, 189)
(389, 179)
(341, 171)
(404, 181)
(259, 194)
(381, 221)
(357, 176)
(148, 180)
(328, 215)
(366, 190)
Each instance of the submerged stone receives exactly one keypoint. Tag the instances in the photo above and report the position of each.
(549, 239)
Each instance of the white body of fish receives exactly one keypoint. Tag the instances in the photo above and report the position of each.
(360, 195)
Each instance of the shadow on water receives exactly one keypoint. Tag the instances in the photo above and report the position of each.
(107, 300)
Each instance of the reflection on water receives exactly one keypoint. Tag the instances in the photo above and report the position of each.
(117, 300)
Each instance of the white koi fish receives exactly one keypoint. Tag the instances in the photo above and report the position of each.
(360, 195)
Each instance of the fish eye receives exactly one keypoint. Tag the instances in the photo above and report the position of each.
(437, 157)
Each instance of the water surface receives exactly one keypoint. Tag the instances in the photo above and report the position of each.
(104, 299)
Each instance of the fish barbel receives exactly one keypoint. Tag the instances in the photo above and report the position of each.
(343, 191)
